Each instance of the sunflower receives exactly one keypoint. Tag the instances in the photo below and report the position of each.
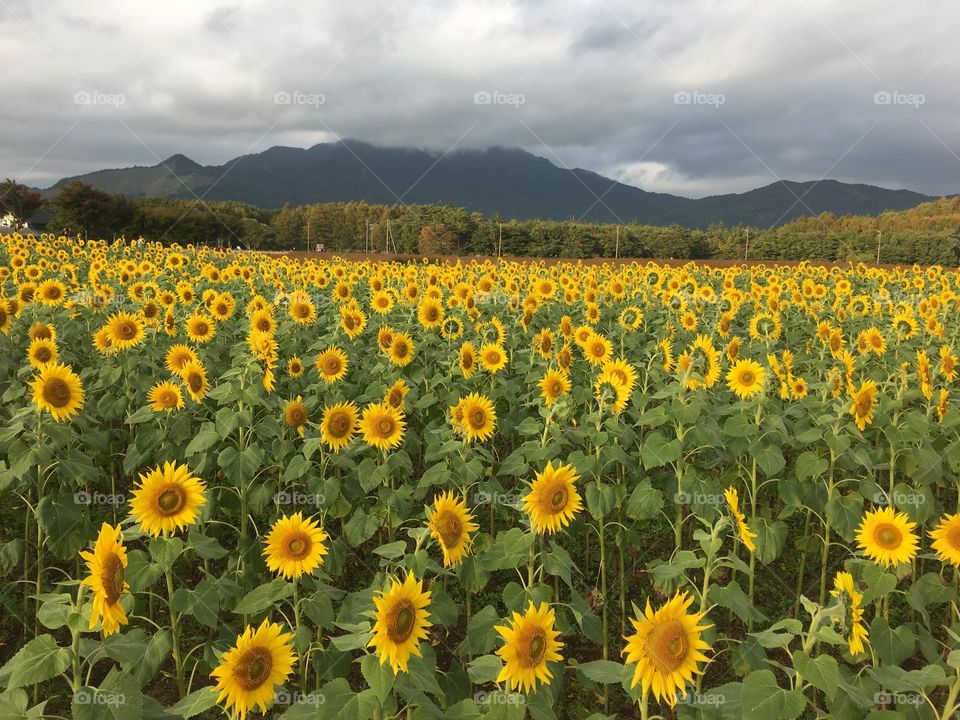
(178, 357)
(395, 394)
(168, 498)
(103, 341)
(887, 537)
(106, 565)
(382, 426)
(332, 365)
(467, 359)
(195, 378)
(294, 546)
(295, 366)
(42, 352)
(339, 425)
(302, 309)
(864, 403)
(852, 619)
(200, 328)
(126, 330)
(6, 317)
(610, 391)
(948, 363)
(57, 390)
(249, 671)
(745, 378)
(530, 642)
(746, 534)
(401, 349)
(295, 414)
(430, 313)
(478, 417)
(946, 539)
(165, 396)
(597, 349)
(401, 622)
(451, 524)
(667, 647)
(493, 357)
(553, 499)
(553, 385)
(51, 292)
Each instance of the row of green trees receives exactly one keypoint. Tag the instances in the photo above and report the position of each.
(927, 234)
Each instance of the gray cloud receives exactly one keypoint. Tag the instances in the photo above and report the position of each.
(691, 97)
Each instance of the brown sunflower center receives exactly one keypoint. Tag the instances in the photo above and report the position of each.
(112, 578)
(450, 530)
(332, 366)
(171, 500)
(401, 621)
(296, 415)
(668, 646)
(56, 392)
(43, 354)
(195, 381)
(299, 546)
(558, 499)
(536, 649)
(263, 325)
(863, 405)
(953, 537)
(888, 536)
(200, 328)
(385, 426)
(747, 377)
(254, 668)
(339, 425)
(400, 349)
(432, 313)
(126, 330)
(478, 418)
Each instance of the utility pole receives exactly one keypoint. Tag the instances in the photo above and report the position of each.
(308, 233)
(746, 245)
(879, 237)
(616, 253)
(500, 242)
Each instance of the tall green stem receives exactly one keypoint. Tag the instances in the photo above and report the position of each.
(175, 635)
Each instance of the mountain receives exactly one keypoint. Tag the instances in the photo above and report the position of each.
(509, 182)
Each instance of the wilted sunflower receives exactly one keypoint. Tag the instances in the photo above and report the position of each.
(126, 330)
(667, 647)
(401, 349)
(200, 328)
(249, 671)
(553, 499)
(530, 642)
(382, 426)
(339, 425)
(946, 539)
(42, 352)
(401, 622)
(864, 403)
(295, 415)
(294, 546)
(745, 378)
(887, 537)
(57, 390)
(746, 534)
(165, 396)
(852, 619)
(478, 417)
(450, 524)
(106, 565)
(553, 385)
(332, 365)
(178, 357)
(195, 378)
(167, 499)
(493, 357)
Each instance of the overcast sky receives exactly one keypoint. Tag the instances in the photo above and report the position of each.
(692, 97)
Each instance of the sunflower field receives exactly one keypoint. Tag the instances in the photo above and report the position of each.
(240, 485)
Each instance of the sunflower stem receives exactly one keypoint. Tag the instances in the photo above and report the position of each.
(603, 591)
(75, 641)
(174, 634)
(644, 712)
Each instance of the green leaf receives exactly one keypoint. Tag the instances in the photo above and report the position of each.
(763, 699)
(769, 458)
(509, 550)
(379, 676)
(206, 547)
(481, 637)
(656, 451)
(645, 502)
(38, 660)
(732, 597)
(822, 672)
(605, 672)
(195, 703)
(484, 669)
(205, 439)
(892, 646)
(262, 597)
(557, 561)
(780, 634)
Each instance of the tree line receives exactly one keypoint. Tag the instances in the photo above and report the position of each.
(927, 234)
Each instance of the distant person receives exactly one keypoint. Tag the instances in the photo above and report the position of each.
(321, 247)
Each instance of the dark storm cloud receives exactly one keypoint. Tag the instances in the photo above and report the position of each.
(691, 97)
